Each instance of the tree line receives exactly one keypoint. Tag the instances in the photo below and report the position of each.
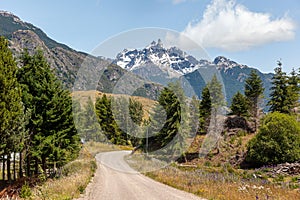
(118, 120)
(36, 121)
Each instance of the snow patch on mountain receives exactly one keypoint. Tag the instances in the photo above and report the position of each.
(173, 60)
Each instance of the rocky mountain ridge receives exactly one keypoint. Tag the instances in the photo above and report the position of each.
(162, 65)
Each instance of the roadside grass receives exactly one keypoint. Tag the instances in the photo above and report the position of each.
(217, 177)
(75, 176)
(222, 183)
(97, 147)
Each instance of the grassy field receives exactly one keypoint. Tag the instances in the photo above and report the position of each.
(224, 183)
(148, 104)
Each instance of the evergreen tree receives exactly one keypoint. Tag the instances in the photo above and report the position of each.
(169, 126)
(107, 121)
(253, 92)
(136, 113)
(216, 93)
(205, 108)
(218, 102)
(294, 87)
(11, 109)
(52, 133)
(90, 129)
(281, 94)
(239, 105)
(194, 107)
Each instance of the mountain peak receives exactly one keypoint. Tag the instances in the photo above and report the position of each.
(172, 59)
(9, 14)
(225, 63)
(157, 44)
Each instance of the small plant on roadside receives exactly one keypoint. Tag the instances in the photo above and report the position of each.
(25, 192)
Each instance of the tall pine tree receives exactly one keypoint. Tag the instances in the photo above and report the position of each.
(239, 105)
(205, 111)
(107, 120)
(52, 133)
(294, 87)
(253, 92)
(11, 109)
(281, 95)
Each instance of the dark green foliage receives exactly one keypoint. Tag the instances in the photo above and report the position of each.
(239, 105)
(107, 121)
(216, 92)
(277, 141)
(253, 91)
(136, 111)
(294, 86)
(169, 125)
(282, 98)
(11, 110)
(128, 114)
(52, 133)
(205, 111)
(86, 121)
(195, 115)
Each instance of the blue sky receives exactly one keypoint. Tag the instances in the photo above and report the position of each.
(252, 32)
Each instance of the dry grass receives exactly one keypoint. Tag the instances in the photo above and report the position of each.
(83, 96)
(223, 186)
(215, 177)
(76, 175)
(75, 178)
(97, 147)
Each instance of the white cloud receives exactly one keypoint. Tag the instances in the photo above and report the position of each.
(230, 26)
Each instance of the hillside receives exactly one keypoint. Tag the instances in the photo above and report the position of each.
(147, 103)
(65, 61)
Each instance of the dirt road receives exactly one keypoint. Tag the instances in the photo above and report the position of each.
(115, 180)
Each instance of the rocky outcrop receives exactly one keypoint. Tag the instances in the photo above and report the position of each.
(287, 169)
(233, 124)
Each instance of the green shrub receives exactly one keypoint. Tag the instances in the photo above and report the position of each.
(25, 191)
(277, 141)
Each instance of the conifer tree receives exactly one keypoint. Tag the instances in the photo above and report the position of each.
(11, 109)
(253, 92)
(169, 125)
(216, 92)
(205, 111)
(90, 129)
(294, 87)
(52, 133)
(194, 107)
(281, 95)
(239, 105)
(107, 121)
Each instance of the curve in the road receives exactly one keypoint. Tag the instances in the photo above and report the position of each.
(116, 180)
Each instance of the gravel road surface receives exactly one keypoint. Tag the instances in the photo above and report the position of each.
(115, 180)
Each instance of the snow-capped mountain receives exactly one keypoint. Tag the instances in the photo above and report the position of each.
(163, 65)
(224, 63)
(172, 60)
